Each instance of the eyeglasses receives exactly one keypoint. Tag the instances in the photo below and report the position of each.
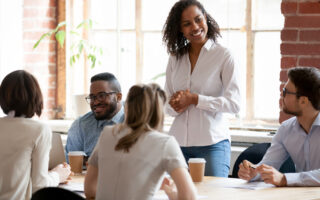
(101, 96)
(285, 92)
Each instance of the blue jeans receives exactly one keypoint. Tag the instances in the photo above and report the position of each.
(216, 155)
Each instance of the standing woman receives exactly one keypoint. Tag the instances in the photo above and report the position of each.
(202, 83)
(24, 143)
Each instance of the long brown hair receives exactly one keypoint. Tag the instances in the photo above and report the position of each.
(143, 113)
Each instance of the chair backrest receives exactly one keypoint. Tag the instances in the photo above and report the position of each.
(53, 193)
(255, 154)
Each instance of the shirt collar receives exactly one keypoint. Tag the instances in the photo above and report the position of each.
(209, 44)
(316, 121)
(116, 119)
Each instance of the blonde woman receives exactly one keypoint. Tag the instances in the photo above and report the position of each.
(130, 159)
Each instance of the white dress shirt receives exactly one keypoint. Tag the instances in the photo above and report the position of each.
(291, 140)
(24, 158)
(215, 79)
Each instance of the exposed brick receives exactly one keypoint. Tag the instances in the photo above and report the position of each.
(309, 7)
(52, 80)
(51, 93)
(40, 3)
(35, 35)
(302, 21)
(311, 62)
(39, 12)
(37, 58)
(52, 69)
(39, 24)
(310, 35)
(288, 62)
(289, 7)
(43, 47)
(289, 35)
(283, 76)
(300, 49)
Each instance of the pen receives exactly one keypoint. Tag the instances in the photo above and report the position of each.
(252, 166)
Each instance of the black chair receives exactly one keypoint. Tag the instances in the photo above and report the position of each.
(53, 193)
(255, 154)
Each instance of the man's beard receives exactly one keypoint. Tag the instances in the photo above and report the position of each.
(295, 113)
(109, 113)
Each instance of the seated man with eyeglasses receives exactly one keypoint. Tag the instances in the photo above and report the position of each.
(297, 137)
(106, 109)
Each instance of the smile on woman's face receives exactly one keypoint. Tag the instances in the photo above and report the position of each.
(194, 25)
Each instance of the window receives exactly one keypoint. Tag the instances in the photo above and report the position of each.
(130, 34)
(11, 41)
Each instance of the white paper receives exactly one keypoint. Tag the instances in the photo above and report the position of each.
(75, 187)
(239, 183)
(165, 197)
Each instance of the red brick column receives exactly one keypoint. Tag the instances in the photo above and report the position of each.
(39, 16)
(300, 37)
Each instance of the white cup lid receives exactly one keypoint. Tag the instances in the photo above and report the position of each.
(77, 153)
(196, 160)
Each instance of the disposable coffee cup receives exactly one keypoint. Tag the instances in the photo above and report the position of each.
(196, 168)
(76, 161)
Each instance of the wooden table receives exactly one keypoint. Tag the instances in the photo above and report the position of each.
(215, 188)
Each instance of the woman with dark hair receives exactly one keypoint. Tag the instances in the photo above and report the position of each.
(202, 84)
(130, 158)
(25, 143)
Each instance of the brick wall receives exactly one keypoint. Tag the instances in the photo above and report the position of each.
(300, 37)
(39, 16)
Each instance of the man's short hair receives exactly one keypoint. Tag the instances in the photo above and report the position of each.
(307, 82)
(20, 92)
(113, 82)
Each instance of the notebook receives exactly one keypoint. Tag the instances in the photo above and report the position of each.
(57, 152)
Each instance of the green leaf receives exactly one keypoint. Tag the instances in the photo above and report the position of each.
(74, 33)
(158, 76)
(61, 24)
(71, 60)
(80, 47)
(60, 37)
(41, 38)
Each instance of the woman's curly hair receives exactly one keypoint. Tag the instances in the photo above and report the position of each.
(176, 43)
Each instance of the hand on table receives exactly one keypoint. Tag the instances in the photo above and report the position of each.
(169, 188)
(271, 175)
(246, 170)
(64, 172)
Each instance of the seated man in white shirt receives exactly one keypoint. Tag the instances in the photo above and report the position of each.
(297, 137)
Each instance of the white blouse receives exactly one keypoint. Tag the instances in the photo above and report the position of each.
(24, 158)
(136, 175)
(215, 79)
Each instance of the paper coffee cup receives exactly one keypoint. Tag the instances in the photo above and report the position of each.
(196, 168)
(76, 160)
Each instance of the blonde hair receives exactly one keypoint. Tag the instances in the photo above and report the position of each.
(143, 113)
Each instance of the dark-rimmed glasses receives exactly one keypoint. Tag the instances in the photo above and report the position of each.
(101, 96)
(285, 92)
